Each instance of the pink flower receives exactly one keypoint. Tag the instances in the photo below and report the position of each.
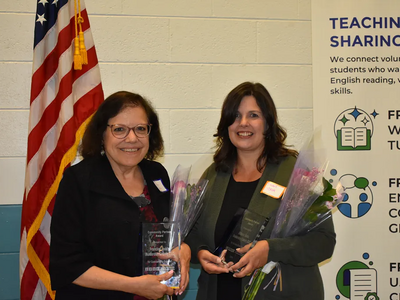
(329, 204)
(178, 187)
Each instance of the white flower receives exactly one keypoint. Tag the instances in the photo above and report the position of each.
(329, 204)
(319, 188)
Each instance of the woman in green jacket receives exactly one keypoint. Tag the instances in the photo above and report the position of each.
(251, 151)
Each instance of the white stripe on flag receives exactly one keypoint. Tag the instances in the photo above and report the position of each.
(23, 255)
(45, 227)
(40, 291)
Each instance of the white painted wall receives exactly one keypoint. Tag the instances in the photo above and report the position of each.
(184, 56)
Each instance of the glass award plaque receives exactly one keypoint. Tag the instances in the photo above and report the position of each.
(161, 245)
(245, 228)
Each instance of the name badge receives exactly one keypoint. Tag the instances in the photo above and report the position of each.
(273, 189)
(158, 183)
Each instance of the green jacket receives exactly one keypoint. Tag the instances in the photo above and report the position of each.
(298, 256)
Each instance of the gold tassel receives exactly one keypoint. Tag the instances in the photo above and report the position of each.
(77, 56)
(82, 47)
(77, 53)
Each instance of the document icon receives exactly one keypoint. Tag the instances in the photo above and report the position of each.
(362, 282)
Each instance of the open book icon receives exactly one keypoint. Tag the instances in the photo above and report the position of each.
(349, 138)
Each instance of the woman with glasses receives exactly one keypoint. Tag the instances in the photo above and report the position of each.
(95, 250)
(251, 154)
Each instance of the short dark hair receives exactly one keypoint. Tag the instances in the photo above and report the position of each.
(93, 137)
(275, 136)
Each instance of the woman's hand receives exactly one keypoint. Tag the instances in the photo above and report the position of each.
(211, 263)
(255, 258)
(183, 255)
(184, 258)
(149, 286)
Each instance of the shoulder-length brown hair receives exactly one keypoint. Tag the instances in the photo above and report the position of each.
(93, 137)
(274, 137)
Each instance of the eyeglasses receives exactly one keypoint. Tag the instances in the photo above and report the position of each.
(122, 131)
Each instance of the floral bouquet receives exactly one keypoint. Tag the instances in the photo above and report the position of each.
(186, 205)
(187, 199)
(307, 202)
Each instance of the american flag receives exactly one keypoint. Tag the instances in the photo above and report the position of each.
(61, 103)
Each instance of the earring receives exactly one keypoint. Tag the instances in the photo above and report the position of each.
(102, 152)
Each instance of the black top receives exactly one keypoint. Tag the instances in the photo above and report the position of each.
(96, 223)
(238, 195)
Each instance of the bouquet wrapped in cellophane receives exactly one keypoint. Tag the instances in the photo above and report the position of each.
(186, 205)
(307, 202)
(187, 199)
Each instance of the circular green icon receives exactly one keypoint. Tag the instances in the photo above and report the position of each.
(343, 288)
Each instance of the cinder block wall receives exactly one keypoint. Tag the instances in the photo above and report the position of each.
(184, 56)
